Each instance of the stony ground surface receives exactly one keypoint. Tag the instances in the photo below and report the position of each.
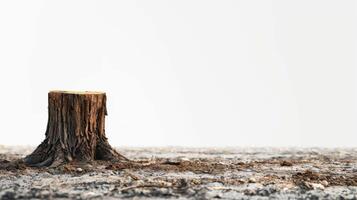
(187, 173)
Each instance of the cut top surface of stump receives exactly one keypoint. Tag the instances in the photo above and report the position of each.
(77, 92)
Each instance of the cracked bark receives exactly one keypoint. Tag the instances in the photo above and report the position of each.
(75, 130)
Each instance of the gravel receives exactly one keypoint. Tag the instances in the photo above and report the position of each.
(188, 173)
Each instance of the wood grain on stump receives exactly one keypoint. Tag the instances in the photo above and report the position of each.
(75, 130)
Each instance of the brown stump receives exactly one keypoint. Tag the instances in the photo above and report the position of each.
(75, 130)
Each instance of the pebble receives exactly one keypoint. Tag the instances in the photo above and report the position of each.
(79, 169)
(252, 180)
(324, 183)
(45, 193)
(315, 186)
(184, 159)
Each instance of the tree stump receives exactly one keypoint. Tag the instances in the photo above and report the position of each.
(75, 130)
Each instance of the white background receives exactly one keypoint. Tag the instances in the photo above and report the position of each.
(188, 73)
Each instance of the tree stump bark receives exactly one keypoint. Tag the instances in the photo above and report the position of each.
(75, 130)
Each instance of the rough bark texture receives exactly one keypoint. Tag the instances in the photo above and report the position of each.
(75, 130)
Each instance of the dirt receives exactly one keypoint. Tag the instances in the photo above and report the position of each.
(188, 173)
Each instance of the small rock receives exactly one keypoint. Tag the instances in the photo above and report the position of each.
(285, 189)
(184, 159)
(314, 186)
(45, 194)
(324, 183)
(46, 175)
(79, 169)
(183, 183)
(249, 192)
(252, 180)
(88, 166)
(286, 163)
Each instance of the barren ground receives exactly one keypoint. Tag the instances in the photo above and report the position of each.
(188, 173)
